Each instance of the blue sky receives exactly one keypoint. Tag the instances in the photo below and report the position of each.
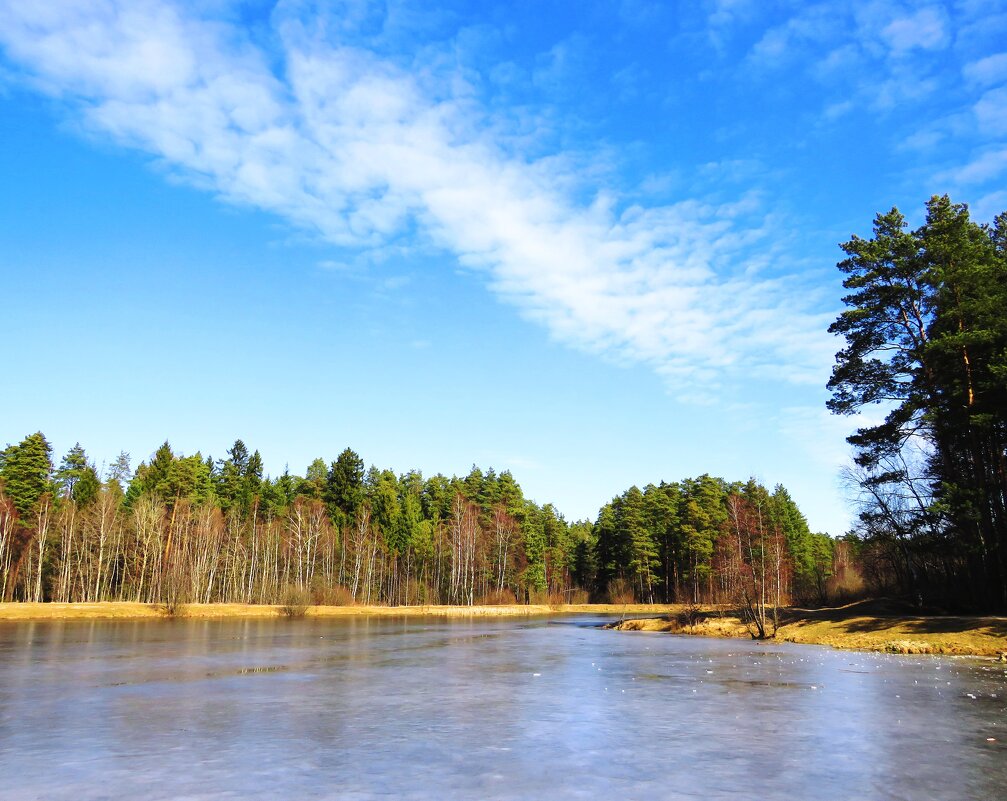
(590, 242)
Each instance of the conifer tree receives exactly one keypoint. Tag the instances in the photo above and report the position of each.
(926, 338)
(26, 470)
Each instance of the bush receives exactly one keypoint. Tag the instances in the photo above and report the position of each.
(295, 603)
(173, 608)
(691, 615)
(337, 595)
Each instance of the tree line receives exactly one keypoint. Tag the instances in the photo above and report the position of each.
(926, 342)
(193, 529)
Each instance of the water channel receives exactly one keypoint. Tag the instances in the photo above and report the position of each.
(364, 708)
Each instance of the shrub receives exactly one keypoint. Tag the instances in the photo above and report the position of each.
(691, 615)
(336, 595)
(295, 602)
(173, 608)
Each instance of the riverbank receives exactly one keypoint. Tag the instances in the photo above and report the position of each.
(865, 626)
(127, 610)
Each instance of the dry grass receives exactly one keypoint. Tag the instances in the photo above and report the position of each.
(54, 611)
(907, 634)
(716, 626)
(865, 626)
(125, 609)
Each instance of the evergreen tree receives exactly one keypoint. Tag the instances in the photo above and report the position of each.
(153, 478)
(76, 477)
(314, 482)
(26, 470)
(509, 493)
(409, 519)
(558, 553)
(641, 548)
(119, 471)
(926, 334)
(702, 514)
(170, 478)
(230, 478)
(278, 495)
(438, 496)
(661, 509)
(535, 543)
(609, 553)
(386, 509)
(344, 485)
(801, 548)
(583, 566)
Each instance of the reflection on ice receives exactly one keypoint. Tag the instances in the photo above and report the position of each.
(362, 708)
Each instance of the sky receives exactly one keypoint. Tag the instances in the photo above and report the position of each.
(593, 243)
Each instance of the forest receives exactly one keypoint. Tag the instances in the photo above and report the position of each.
(925, 333)
(185, 529)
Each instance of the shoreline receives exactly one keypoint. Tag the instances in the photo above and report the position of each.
(864, 626)
(878, 626)
(127, 610)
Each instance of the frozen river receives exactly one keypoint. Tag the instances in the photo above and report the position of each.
(482, 709)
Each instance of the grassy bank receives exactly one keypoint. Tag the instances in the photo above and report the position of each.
(55, 611)
(868, 626)
(865, 626)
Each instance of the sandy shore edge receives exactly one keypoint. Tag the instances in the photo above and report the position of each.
(857, 627)
(126, 610)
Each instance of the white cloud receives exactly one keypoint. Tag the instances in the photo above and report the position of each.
(838, 62)
(989, 206)
(923, 141)
(925, 30)
(812, 26)
(727, 12)
(981, 169)
(866, 55)
(991, 112)
(343, 142)
(563, 61)
(821, 433)
(985, 71)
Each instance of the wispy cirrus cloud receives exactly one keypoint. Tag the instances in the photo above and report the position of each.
(989, 70)
(874, 54)
(328, 132)
(990, 164)
(921, 28)
(902, 64)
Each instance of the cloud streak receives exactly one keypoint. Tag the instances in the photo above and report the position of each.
(338, 139)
